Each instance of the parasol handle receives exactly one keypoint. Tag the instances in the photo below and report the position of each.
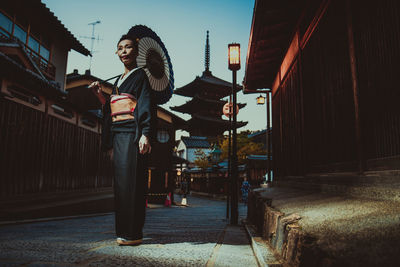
(98, 93)
(103, 81)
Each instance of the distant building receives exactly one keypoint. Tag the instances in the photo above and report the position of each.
(205, 105)
(188, 147)
(261, 137)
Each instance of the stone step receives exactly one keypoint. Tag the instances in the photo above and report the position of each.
(309, 228)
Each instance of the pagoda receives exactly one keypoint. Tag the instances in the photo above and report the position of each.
(206, 105)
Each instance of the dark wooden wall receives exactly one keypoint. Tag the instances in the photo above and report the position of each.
(288, 151)
(41, 153)
(314, 110)
(329, 121)
(377, 47)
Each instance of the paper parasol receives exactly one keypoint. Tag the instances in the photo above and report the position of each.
(155, 61)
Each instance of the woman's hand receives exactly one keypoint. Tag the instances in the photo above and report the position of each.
(96, 85)
(144, 145)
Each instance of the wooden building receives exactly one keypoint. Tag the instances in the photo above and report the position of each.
(189, 147)
(331, 66)
(205, 105)
(45, 143)
(213, 180)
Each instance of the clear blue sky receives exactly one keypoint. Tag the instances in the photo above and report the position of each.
(181, 25)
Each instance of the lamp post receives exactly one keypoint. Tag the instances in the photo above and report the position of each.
(228, 198)
(234, 66)
(261, 101)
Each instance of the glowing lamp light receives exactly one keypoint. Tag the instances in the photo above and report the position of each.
(260, 100)
(234, 56)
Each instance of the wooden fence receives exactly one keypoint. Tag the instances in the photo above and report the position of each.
(42, 153)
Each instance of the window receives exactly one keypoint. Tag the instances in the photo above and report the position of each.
(88, 121)
(36, 42)
(33, 44)
(24, 95)
(62, 111)
(162, 136)
(45, 53)
(6, 24)
(20, 33)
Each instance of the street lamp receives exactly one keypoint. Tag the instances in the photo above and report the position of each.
(234, 56)
(234, 65)
(260, 100)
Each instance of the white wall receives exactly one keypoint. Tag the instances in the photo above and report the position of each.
(59, 60)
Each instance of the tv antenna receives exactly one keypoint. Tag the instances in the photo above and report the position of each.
(92, 39)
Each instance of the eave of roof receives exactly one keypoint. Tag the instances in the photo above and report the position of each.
(36, 11)
(257, 157)
(212, 122)
(178, 121)
(76, 77)
(262, 132)
(195, 142)
(192, 106)
(207, 82)
(272, 27)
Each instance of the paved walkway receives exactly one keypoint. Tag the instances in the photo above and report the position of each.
(197, 235)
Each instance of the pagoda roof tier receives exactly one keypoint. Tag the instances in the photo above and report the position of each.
(198, 103)
(207, 86)
(208, 126)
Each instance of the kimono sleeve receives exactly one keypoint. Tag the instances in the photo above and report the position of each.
(145, 112)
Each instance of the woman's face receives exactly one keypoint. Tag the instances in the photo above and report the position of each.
(126, 52)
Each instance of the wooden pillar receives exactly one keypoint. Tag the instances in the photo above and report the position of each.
(268, 130)
(356, 92)
(304, 156)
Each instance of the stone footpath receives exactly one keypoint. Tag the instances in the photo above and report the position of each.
(197, 235)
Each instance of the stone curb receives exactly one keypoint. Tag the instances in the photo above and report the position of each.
(61, 218)
(254, 246)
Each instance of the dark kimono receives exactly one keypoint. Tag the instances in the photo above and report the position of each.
(130, 167)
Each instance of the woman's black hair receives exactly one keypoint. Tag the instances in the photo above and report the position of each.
(129, 37)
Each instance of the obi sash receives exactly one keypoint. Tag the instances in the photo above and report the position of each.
(122, 107)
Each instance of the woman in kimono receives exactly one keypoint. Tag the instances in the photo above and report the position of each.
(126, 138)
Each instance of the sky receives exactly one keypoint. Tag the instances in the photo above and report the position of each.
(181, 25)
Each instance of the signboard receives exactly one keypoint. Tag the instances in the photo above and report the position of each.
(227, 110)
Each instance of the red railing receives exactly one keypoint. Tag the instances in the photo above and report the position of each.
(46, 67)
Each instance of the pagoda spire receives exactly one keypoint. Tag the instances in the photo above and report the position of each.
(207, 57)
